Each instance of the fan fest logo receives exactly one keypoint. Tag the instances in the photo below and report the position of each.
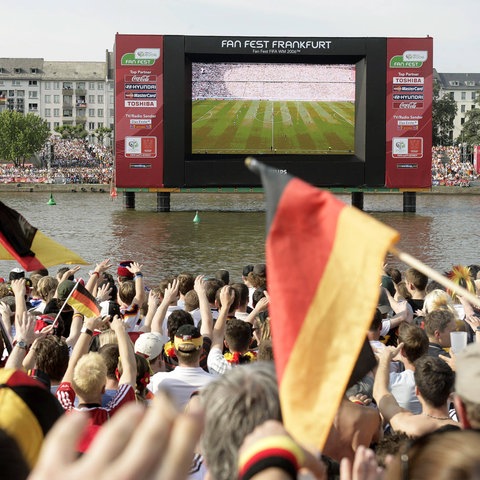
(141, 56)
(409, 59)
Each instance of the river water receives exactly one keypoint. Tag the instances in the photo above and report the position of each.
(445, 231)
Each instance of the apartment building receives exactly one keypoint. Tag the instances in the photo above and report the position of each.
(62, 93)
(464, 88)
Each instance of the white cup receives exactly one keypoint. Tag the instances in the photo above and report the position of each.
(458, 341)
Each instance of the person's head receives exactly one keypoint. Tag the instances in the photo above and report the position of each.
(51, 357)
(238, 335)
(150, 345)
(393, 273)
(162, 286)
(438, 300)
(186, 281)
(461, 276)
(62, 271)
(46, 287)
(434, 285)
(106, 337)
(442, 455)
(16, 273)
(175, 320)
(402, 290)
(234, 305)
(415, 280)
(257, 295)
(188, 345)
(245, 271)
(126, 292)
(123, 273)
(265, 350)
(235, 404)
(89, 377)
(242, 291)
(375, 326)
(438, 326)
(110, 355)
(257, 278)
(34, 278)
(434, 380)
(415, 341)
(211, 287)
(143, 376)
(191, 301)
(223, 275)
(467, 386)
(390, 444)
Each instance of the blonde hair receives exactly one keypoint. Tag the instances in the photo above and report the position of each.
(439, 300)
(106, 337)
(89, 376)
(46, 287)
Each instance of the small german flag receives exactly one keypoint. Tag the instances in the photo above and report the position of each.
(83, 301)
(32, 249)
(324, 263)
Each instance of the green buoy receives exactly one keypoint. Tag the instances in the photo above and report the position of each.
(196, 219)
(51, 201)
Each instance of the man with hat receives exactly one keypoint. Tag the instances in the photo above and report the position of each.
(150, 346)
(188, 377)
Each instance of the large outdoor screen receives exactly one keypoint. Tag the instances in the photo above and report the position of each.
(335, 111)
(281, 108)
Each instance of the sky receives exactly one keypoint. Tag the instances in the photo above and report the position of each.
(82, 31)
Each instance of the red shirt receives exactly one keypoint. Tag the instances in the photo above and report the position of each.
(98, 415)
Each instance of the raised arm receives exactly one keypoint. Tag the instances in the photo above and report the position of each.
(386, 402)
(97, 272)
(24, 337)
(206, 329)
(171, 292)
(136, 269)
(81, 347)
(126, 352)
(19, 291)
(153, 303)
(227, 296)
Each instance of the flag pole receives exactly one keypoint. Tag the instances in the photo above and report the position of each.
(64, 303)
(434, 275)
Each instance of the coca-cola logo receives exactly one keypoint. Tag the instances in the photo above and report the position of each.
(408, 105)
(141, 78)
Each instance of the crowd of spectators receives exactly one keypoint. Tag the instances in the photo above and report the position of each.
(273, 82)
(448, 169)
(78, 162)
(73, 161)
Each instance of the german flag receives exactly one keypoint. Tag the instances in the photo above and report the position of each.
(324, 263)
(27, 411)
(32, 249)
(83, 301)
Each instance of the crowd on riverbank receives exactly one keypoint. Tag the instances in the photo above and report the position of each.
(77, 162)
(207, 342)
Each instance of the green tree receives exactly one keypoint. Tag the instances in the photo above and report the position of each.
(470, 133)
(444, 110)
(102, 132)
(70, 132)
(21, 136)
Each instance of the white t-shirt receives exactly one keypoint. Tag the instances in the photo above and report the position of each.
(181, 383)
(402, 387)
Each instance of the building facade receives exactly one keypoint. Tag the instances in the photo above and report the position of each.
(464, 88)
(62, 93)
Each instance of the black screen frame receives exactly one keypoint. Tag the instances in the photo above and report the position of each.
(364, 168)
